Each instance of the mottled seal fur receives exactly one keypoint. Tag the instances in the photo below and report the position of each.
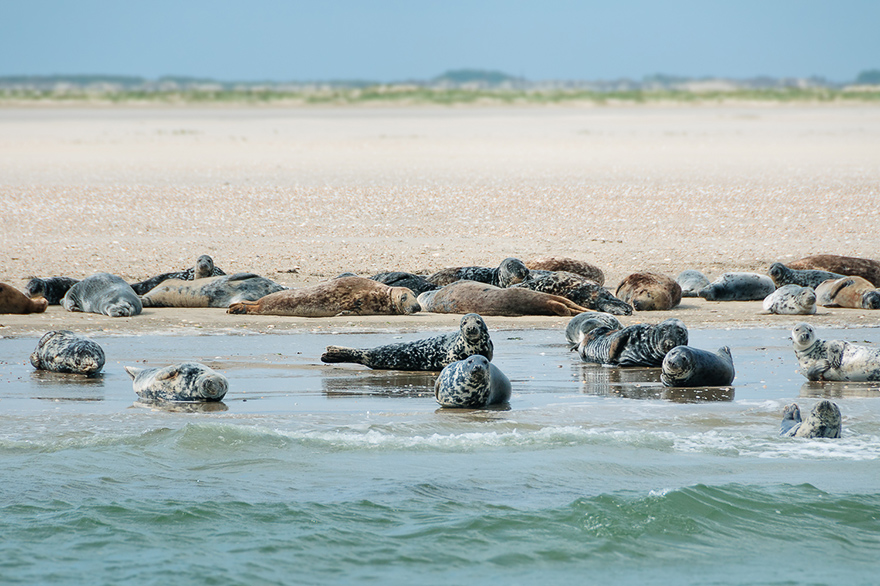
(52, 288)
(510, 271)
(568, 265)
(203, 269)
(738, 287)
(429, 354)
(578, 326)
(484, 299)
(833, 360)
(691, 282)
(649, 292)
(636, 345)
(853, 292)
(782, 275)
(103, 293)
(415, 283)
(14, 301)
(577, 289)
(66, 351)
(823, 421)
(210, 291)
(791, 300)
(684, 366)
(342, 296)
(184, 382)
(842, 265)
(471, 383)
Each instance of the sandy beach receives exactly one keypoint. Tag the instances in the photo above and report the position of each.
(301, 194)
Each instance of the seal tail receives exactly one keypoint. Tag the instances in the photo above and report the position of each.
(335, 354)
(242, 307)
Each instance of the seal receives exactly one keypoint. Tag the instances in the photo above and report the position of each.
(635, 345)
(577, 289)
(684, 366)
(782, 275)
(569, 265)
(14, 301)
(103, 293)
(471, 383)
(833, 360)
(649, 292)
(691, 281)
(484, 299)
(791, 300)
(203, 269)
(415, 283)
(823, 421)
(53, 289)
(184, 382)
(428, 354)
(853, 292)
(510, 271)
(68, 352)
(847, 266)
(210, 291)
(578, 326)
(342, 296)
(738, 287)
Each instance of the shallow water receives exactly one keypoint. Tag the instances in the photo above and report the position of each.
(311, 473)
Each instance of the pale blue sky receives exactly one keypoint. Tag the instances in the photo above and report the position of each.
(389, 40)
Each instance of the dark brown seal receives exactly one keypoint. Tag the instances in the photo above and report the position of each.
(649, 291)
(484, 299)
(842, 265)
(14, 301)
(569, 265)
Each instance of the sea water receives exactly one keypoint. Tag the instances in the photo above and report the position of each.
(313, 474)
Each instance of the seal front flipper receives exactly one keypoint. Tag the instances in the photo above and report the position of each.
(241, 307)
(335, 354)
(817, 371)
(832, 293)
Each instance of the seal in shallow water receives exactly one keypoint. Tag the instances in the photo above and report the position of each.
(203, 269)
(103, 293)
(187, 381)
(791, 300)
(684, 366)
(428, 354)
(833, 360)
(471, 383)
(578, 326)
(635, 345)
(782, 275)
(52, 288)
(568, 265)
(66, 351)
(484, 299)
(14, 301)
(510, 271)
(823, 421)
(210, 291)
(691, 281)
(649, 292)
(577, 289)
(842, 265)
(853, 292)
(738, 287)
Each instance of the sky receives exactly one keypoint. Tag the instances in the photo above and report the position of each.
(395, 40)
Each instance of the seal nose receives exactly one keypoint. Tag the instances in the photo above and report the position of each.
(214, 386)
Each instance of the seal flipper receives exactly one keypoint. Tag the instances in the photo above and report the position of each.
(791, 420)
(242, 276)
(817, 371)
(832, 293)
(168, 374)
(133, 371)
(242, 307)
(617, 345)
(335, 354)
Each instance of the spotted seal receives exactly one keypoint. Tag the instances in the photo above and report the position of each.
(53, 289)
(833, 360)
(510, 271)
(823, 421)
(473, 297)
(342, 296)
(578, 326)
(14, 301)
(782, 275)
(691, 281)
(68, 352)
(738, 287)
(428, 354)
(471, 383)
(577, 289)
(203, 269)
(649, 292)
(684, 366)
(184, 382)
(635, 345)
(568, 265)
(791, 300)
(847, 266)
(210, 291)
(415, 283)
(853, 292)
(103, 293)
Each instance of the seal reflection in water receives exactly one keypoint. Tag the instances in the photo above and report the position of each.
(472, 383)
(184, 382)
(684, 366)
(67, 352)
(823, 421)
(833, 360)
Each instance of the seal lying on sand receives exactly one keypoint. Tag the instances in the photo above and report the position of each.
(568, 265)
(833, 360)
(14, 301)
(211, 291)
(636, 345)
(65, 351)
(782, 275)
(415, 283)
(691, 282)
(471, 383)
(204, 268)
(823, 421)
(577, 289)
(188, 381)
(581, 324)
(684, 366)
(853, 292)
(791, 300)
(429, 354)
(473, 297)
(52, 288)
(103, 293)
(649, 292)
(341, 296)
(738, 287)
(511, 271)
(842, 265)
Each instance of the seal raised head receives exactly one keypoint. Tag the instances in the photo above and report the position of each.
(635, 345)
(210, 291)
(14, 301)
(691, 282)
(649, 292)
(203, 269)
(852, 292)
(782, 275)
(52, 288)
(738, 287)
(791, 300)
(184, 382)
(509, 272)
(484, 299)
(577, 289)
(847, 266)
(833, 360)
(471, 383)
(822, 422)
(568, 265)
(103, 293)
(684, 366)
(66, 351)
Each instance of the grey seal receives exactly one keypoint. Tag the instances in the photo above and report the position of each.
(823, 421)
(14, 301)
(578, 326)
(510, 271)
(103, 293)
(791, 300)
(66, 351)
(649, 292)
(852, 292)
(485, 299)
(415, 283)
(210, 291)
(738, 287)
(833, 360)
(575, 288)
(184, 382)
(782, 275)
(471, 383)
(53, 289)
(848, 266)
(428, 354)
(684, 366)
(203, 269)
(568, 265)
(691, 281)
(635, 345)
